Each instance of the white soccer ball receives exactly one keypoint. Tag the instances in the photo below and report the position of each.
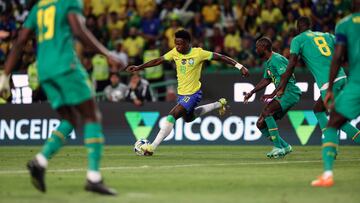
(137, 146)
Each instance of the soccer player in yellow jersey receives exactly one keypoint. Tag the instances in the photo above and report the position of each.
(189, 61)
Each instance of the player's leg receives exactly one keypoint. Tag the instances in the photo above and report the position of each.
(94, 141)
(268, 112)
(338, 117)
(38, 165)
(177, 112)
(207, 108)
(329, 146)
(320, 113)
(261, 125)
(184, 108)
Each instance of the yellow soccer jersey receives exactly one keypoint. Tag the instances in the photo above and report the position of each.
(188, 68)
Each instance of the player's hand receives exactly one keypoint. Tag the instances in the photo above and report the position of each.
(245, 72)
(267, 98)
(247, 97)
(329, 100)
(115, 62)
(4, 86)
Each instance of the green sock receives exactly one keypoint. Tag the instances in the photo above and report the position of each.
(265, 132)
(57, 139)
(283, 143)
(330, 143)
(94, 140)
(351, 132)
(273, 131)
(322, 119)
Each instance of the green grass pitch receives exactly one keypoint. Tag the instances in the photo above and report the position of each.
(217, 174)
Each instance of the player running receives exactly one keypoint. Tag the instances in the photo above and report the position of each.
(274, 66)
(316, 49)
(65, 83)
(189, 61)
(347, 102)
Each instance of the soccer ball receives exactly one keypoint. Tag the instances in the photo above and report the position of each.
(137, 146)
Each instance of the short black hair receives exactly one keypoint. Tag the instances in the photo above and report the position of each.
(265, 42)
(183, 34)
(304, 22)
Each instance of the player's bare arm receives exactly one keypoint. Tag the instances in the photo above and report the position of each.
(340, 50)
(78, 27)
(12, 59)
(284, 78)
(261, 85)
(232, 62)
(151, 63)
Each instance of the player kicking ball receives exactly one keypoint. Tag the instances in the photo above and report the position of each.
(65, 82)
(189, 61)
(346, 105)
(274, 66)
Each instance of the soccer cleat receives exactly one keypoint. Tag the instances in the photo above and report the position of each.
(222, 109)
(99, 188)
(148, 149)
(37, 174)
(276, 153)
(288, 149)
(323, 181)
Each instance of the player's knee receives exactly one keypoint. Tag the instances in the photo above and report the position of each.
(336, 120)
(260, 124)
(266, 112)
(189, 119)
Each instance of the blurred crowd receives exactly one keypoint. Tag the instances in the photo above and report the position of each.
(140, 30)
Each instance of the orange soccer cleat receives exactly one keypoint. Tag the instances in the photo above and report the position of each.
(323, 181)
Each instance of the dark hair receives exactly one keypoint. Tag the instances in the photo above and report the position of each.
(265, 42)
(304, 22)
(183, 34)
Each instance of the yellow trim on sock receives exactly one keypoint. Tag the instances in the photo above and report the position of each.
(94, 140)
(356, 135)
(272, 129)
(59, 135)
(329, 144)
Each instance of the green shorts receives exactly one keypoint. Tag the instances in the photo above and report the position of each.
(290, 97)
(68, 89)
(337, 88)
(347, 103)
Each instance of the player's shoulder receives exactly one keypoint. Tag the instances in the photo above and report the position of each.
(345, 20)
(277, 59)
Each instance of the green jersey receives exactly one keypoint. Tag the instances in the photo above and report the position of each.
(347, 32)
(274, 67)
(316, 50)
(55, 41)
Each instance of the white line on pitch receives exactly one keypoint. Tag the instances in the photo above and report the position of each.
(176, 166)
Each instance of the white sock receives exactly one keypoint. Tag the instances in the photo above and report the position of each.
(163, 133)
(93, 176)
(204, 109)
(328, 174)
(41, 159)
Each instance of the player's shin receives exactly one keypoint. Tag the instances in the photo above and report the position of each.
(265, 132)
(204, 109)
(351, 132)
(164, 131)
(322, 119)
(55, 142)
(330, 143)
(273, 131)
(94, 141)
